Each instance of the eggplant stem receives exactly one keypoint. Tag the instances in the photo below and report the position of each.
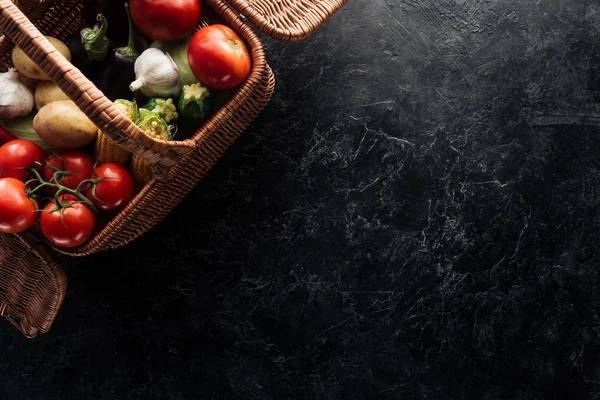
(129, 50)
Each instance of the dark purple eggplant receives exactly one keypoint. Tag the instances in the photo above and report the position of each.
(111, 71)
(117, 70)
(90, 48)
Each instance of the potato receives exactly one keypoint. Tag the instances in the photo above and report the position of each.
(47, 92)
(27, 67)
(62, 124)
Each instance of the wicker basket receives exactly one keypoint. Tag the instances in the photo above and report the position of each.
(32, 285)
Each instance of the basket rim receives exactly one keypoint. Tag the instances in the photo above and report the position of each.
(276, 20)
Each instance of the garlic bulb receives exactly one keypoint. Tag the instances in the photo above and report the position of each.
(156, 74)
(16, 99)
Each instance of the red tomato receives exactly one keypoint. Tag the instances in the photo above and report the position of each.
(6, 136)
(114, 191)
(18, 155)
(219, 58)
(17, 211)
(78, 163)
(75, 226)
(165, 20)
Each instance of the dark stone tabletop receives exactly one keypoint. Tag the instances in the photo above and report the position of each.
(413, 216)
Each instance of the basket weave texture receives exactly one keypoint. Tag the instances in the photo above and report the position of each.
(287, 20)
(176, 166)
(32, 285)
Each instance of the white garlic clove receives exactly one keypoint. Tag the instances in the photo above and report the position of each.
(16, 99)
(156, 74)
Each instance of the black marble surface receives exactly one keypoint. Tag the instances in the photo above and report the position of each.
(414, 216)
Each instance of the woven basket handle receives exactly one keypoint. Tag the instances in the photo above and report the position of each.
(99, 109)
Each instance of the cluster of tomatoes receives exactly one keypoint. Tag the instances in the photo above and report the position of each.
(71, 188)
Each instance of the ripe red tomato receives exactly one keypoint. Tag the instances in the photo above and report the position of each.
(113, 192)
(75, 226)
(219, 58)
(80, 165)
(6, 136)
(165, 20)
(17, 211)
(18, 155)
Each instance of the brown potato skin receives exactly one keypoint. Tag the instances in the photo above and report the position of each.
(47, 92)
(27, 67)
(63, 125)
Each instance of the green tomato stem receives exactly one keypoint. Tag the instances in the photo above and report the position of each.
(64, 190)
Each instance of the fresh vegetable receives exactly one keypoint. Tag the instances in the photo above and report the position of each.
(47, 92)
(27, 67)
(154, 126)
(18, 155)
(178, 51)
(145, 114)
(95, 42)
(17, 210)
(22, 128)
(115, 188)
(68, 168)
(62, 124)
(194, 107)
(16, 99)
(194, 102)
(166, 20)
(163, 107)
(156, 75)
(219, 58)
(67, 222)
(54, 186)
(81, 49)
(6, 136)
(115, 74)
(129, 108)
